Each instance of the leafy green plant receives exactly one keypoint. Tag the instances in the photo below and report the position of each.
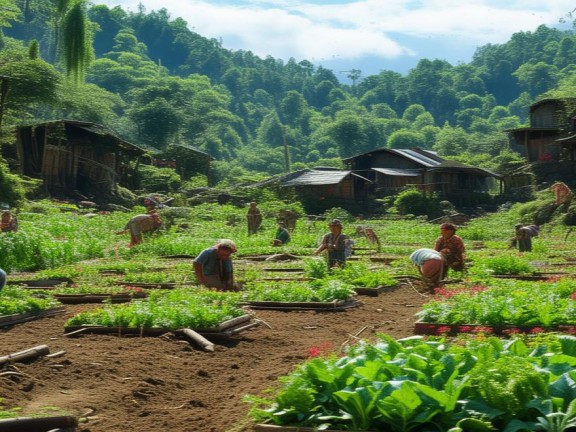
(504, 302)
(14, 300)
(504, 264)
(415, 384)
(322, 290)
(172, 310)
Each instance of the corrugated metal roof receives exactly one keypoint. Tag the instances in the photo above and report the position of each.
(398, 172)
(417, 157)
(317, 178)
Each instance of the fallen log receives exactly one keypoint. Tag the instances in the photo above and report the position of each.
(204, 343)
(40, 424)
(29, 354)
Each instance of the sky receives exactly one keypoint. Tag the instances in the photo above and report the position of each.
(366, 35)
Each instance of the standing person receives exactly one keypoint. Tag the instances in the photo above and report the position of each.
(142, 223)
(282, 236)
(451, 247)
(523, 237)
(3, 278)
(8, 222)
(335, 243)
(254, 218)
(430, 265)
(213, 266)
(562, 193)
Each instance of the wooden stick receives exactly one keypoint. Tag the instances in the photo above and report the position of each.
(204, 343)
(75, 332)
(31, 353)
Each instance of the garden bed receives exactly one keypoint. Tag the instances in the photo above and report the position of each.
(287, 270)
(434, 329)
(273, 428)
(373, 292)
(8, 320)
(336, 305)
(161, 285)
(533, 277)
(41, 282)
(97, 298)
(224, 330)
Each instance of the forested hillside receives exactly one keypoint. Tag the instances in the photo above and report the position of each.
(155, 82)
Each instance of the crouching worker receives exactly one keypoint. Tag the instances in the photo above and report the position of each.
(142, 223)
(523, 237)
(213, 266)
(430, 265)
(282, 236)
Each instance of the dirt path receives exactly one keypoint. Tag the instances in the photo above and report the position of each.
(151, 384)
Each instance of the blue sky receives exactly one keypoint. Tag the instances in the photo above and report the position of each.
(368, 35)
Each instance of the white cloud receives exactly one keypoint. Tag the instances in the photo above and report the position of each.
(354, 29)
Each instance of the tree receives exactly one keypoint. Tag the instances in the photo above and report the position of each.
(406, 139)
(73, 37)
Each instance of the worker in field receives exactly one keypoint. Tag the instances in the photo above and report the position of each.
(143, 223)
(523, 237)
(254, 218)
(430, 264)
(451, 247)
(282, 235)
(213, 266)
(336, 244)
(8, 221)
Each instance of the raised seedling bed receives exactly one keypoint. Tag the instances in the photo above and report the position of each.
(335, 305)
(8, 320)
(224, 330)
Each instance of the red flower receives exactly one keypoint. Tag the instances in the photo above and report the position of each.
(323, 349)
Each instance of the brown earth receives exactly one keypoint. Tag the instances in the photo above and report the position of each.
(165, 383)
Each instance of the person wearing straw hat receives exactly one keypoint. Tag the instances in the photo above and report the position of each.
(213, 266)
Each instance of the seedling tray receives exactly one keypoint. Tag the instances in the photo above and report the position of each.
(373, 292)
(453, 329)
(224, 330)
(97, 298)
(272, 428)
(336, 305)
(161, 285)
(8, 320)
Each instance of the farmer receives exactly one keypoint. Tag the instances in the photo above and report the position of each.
(2, 279)
(335, 243)
(213, 266)
(254, 218)
(288, 218)
(430, 265)
(451, 247)
(282, 235)
(8, 222)
(142, 223)
(523, 237)
(562, 193)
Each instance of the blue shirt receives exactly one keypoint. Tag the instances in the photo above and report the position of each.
(211, 264)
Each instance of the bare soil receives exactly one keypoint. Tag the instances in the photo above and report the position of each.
(151, 384)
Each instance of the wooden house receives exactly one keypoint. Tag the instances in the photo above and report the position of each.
(76, 158)
(551, 126)
(392, 170)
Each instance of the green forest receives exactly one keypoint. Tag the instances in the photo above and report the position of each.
(156, 83)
